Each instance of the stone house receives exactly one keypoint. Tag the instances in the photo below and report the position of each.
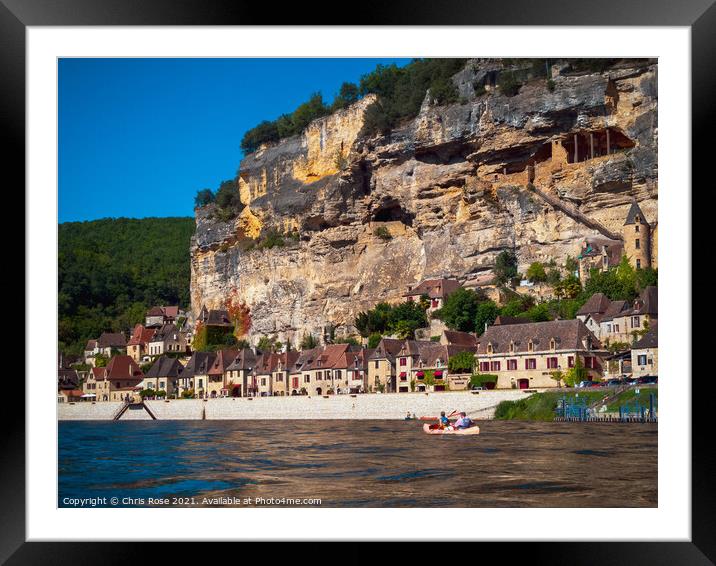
(164, 375)
(381, 365)
(90, 351)
(645, 354)
(124, 377)
(457, 338)
(298, 381)
(526, 355)
(437, 290)
(433, 360)
(96, 384)
(405, 360)
(68, 385)
(356, 363)
(238, 375)
(157, 316)
(322, 374)
(216, 380)
(195, 374)
(643, 313)
(280, 372)
(137, 347)
(168, 338)
(107, 344)
(266, 364)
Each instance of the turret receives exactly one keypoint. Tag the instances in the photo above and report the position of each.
(636, 234)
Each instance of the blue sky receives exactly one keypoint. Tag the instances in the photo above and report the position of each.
(139, 137)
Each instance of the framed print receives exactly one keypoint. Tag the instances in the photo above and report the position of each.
(324, 283)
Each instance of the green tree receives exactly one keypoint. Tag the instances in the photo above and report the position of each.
(227, 196)
(308, 342)
(347, 95)
(554, 277)
(462, 362)
(373, 340)
(459, 310)
(575, 374)
(203, 197)
(505, 267)
(536, 272)
(487, 312)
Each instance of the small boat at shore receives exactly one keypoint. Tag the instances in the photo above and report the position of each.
(474, 429)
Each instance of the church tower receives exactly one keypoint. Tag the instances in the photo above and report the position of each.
(636, 234)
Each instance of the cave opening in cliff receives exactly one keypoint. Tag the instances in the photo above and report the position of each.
(446, 154)
(583, 146)
(392, 212)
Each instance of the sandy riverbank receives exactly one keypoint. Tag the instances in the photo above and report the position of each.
(478, 405)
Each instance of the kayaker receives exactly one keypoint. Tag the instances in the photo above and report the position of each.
(462, 422)
(444, 421)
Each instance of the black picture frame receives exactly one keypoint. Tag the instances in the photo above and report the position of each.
(699, 15)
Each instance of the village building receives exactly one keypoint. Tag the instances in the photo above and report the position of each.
(381, 366)
(124, 377)
(644, 312)
(263, 370)
(436, 290)
(108, 344)
(193, 378)
(638, 243)
(216, 385)
(68, 385)
(407, 358)
(430, 371)
(280, 372)
(457, 338)
(95, 386)
(324, 375)
(167, 339)
(158, 316)
(527, 355)
(90, 351)
(164, 375)
(298, 381)
(137, 347)
(645, 354)
(214, 317)
(238, 375)
(356, 363)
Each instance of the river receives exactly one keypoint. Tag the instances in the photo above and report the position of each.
(360, 463)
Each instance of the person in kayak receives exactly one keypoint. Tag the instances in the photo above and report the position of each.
(462, 422)
(443, 420)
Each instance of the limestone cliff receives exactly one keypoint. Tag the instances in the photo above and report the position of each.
(452, 187)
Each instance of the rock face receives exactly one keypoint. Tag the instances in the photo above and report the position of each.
(451, 188)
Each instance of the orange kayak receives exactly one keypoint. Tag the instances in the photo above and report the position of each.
(474, 429)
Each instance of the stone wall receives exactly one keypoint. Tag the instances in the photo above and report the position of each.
(478, 405)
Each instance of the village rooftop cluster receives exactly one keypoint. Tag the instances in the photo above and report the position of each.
(510, 353)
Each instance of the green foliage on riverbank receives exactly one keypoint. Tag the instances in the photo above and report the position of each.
(111, 271)
(540, 406)
(402, 319)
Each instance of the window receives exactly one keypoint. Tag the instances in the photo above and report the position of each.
(161, 385)
(616, 328)
(588, 362)
(570, 361)
(484, 366)
(641, 359)
(636, 228)
(637, 244)
(376, 364)
(495, 366)
(306, 379)
(435, 303)
(552, 363)
(319, 376)
(530, 346)
(552, 344)
(638, 264)
(403, 361)
(635, 322)
(530, 363)
(263, 382)
(489, 348)
(512, 365)
(512, 347)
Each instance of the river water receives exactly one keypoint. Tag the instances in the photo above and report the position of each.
(360, 463)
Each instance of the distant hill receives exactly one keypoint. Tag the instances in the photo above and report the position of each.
(112, 270)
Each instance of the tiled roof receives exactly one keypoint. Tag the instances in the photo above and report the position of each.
(123, 367)
(460, 338)
(218, 318)
(503, 320)
(387, 348)
(67, 378)
(649, 340)
(165, 332)
(245, 359)
(198, 364)
(164, 366)
(434, 288)
(634, 211)
(222, 360)
(112, 340)
(91, 345)
(616, 308)
(155, 311)
(305, 358)
(568, 335)
(99, 373)
(648, 302)
(328, 356)
(171, 312)
(141, 336)
(597, 303)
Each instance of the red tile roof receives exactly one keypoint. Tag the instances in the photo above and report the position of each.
(141, 336)
(123, 367)
(434, 288)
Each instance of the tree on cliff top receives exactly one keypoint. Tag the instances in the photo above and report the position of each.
(505, 266)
